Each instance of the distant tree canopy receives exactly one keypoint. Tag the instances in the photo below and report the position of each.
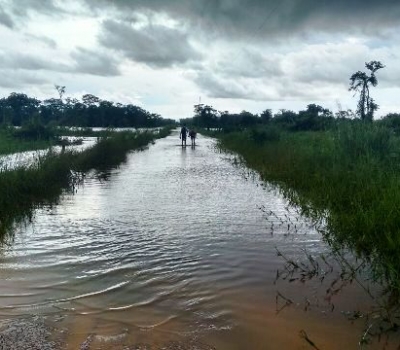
(18, 109)
(315, 117)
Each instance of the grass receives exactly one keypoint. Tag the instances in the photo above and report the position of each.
(348, 176)
(11, 144)
(35, 136)
(24, 189)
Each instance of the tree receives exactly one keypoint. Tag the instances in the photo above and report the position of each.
(360, 82)
(266, 115)
(51, 109)
(60, 90)
(247, 119)
(206, 115)
(21, 106)
(90, 100)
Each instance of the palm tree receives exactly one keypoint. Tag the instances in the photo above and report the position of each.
(360, 81)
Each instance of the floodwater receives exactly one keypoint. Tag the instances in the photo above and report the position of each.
(30, 158)
(172, 251)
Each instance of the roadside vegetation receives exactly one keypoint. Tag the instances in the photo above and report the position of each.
(25, 188)
(12, 142)
(348, 176)
(30, 124)
(341, 169)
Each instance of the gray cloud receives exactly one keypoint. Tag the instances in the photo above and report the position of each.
(19, 79)
(248, 63)
(22, 61)
(155, 45)
(95, 63)
(85, 61)
(256, 19)
(260, 19)
(22, 8)
(5, 19)
(42, 39)
(219, 87)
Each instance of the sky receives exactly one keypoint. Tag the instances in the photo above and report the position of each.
(168, 55)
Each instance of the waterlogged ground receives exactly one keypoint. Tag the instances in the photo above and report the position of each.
(172, 251)
(29, 158)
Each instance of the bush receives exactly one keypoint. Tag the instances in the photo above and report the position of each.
(34, 131)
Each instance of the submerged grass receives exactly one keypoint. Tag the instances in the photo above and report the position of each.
(10, 144)
(348, 176)
(23, 189)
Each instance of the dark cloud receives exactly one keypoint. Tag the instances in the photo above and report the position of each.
(260, 19)
(242, 19)
(95, 63)
(154, 45)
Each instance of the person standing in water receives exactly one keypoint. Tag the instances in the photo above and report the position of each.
(183, 134)
(192, 135)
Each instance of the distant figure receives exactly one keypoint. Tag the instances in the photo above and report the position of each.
(183, 134)
(192, 135)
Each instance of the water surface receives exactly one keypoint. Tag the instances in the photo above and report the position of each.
(173, 252)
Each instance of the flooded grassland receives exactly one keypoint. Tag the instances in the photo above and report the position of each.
(178, 249)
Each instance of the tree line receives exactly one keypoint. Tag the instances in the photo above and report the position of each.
(90, 111)
(314, 117)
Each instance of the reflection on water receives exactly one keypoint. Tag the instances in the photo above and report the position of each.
(172, 252)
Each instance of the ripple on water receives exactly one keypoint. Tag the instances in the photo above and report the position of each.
(163, 244)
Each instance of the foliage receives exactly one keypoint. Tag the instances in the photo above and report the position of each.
(261, 135)
(9, 143)
(347, 176)
(25, 188)
(315, 118)
(391, 121)
(19, 109)
(360, 82)
(34, 130)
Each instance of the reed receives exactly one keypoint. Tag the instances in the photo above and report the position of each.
(347, 176)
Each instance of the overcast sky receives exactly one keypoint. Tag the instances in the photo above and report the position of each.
(166, 55)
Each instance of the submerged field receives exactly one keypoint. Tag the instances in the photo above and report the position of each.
(175, 239)
(171, 251)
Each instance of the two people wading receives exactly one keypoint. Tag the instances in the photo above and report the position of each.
(183, 135)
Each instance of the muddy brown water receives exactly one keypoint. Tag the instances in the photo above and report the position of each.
(172, 251)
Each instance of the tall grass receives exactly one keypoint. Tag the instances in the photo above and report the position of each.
(23, 189)
(349, 176)
(11, 144)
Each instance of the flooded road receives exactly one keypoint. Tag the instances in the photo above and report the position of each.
(172, 251)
